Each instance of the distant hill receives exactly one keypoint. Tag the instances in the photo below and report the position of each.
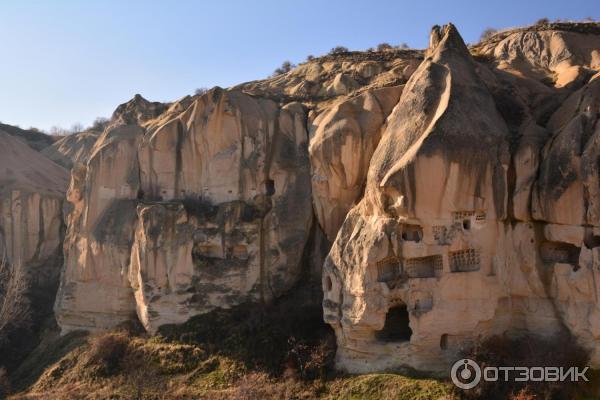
(35, 139)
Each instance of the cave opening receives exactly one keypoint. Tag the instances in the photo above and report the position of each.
(559, 252)
(328, 284)
(270, 187)
(396, 327)
(444, 341)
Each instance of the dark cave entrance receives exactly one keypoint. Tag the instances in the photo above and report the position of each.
(396, 327)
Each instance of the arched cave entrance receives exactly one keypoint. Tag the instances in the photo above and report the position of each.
(396, 327)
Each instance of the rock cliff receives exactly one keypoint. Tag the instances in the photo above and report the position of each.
(448, 194)
(207, 207)
(479, 215)
(72, 149)
(31, 232)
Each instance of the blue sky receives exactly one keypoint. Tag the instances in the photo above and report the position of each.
(70, 61)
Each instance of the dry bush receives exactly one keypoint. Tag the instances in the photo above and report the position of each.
(542, 21)
(384, 46)
(14, 304)
(524, 394)
(286, 67)
(4, 383)
(144, 380)
(108, 351)
(313, 361)
(16, 321)
(338, 50)
(487, 33)
(527, 351)
(100, 124)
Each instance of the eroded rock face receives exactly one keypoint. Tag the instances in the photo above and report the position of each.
(95, 291)
(336, 75)
(343, 139)
(240, 166)
(31, 231)
(72, 149)
(476, 220)
(222, 191)
(459, 194)
(560, 56)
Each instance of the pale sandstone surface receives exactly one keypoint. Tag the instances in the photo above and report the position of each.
(31, 233)
(459, 194)
(343, 139)
(239, 164)
(30, 203)
(446, 245)
(72, 149)
(563, 56)
(240, 167)
(95, 290)
(334, 75)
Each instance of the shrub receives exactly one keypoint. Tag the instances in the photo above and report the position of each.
(313, 360)
(76, 128)
(4, 383)
(338, 50)
(542, 21)
(200, 91)
(286, 67)
(527, 351)
(108, 351)
(58, 131)
(403, 46)
(487, 33)
(16, 314)
(310, 57)
(100, 124)
(383, 46)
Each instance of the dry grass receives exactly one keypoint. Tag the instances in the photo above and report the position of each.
(237, 354)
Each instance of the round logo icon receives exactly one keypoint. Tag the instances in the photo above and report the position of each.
(465, 374)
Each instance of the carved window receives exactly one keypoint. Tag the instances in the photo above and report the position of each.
(439, 232)
(388, 269)
(464, 260)
(412, 233)
(423, 267)
(559, 252)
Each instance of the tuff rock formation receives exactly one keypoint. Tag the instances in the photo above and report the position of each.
(456, 187)
(31, 231)
(343, 139)
(207, 207)
(479, 211)
(72, 149)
